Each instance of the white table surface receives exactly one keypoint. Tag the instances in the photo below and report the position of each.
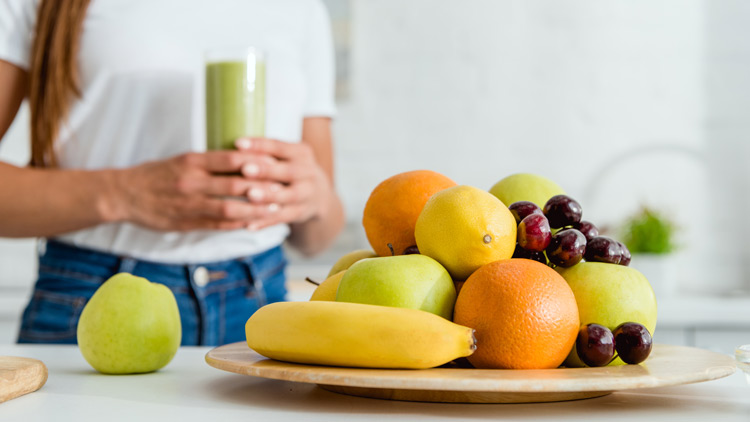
(189, 390)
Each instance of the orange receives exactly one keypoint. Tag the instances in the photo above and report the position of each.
(524, 314)
(392, 209)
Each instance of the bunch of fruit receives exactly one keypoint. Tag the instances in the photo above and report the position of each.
(446, 278)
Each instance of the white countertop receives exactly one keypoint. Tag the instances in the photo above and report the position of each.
(188, 389)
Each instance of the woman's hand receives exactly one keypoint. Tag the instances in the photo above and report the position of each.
(286, 182)
(192, 191)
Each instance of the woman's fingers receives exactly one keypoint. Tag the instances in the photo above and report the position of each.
(277, 171)
(223, 186)
(295, 203)
(275, 148)
(284, 214)
(291, 161)
(294, 180)
(234, 210)
(269, 183)
(224, 161)
(218, 173)
(185, 193)
(270, 192)
(215, 214)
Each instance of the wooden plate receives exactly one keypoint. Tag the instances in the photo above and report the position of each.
(667, 365)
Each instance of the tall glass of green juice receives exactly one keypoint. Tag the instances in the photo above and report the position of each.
(235, 96)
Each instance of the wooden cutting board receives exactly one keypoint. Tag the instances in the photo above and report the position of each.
(19, 376)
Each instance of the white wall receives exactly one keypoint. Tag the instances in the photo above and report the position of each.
(727, 123)
(481, 89)
(620, 102)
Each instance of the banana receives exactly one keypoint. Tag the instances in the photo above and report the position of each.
(358, 335)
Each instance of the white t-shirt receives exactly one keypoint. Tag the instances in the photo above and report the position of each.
(141, 65)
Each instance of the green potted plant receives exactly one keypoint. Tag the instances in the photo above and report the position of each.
(650, 236)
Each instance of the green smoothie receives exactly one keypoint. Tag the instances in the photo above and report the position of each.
(235, 102)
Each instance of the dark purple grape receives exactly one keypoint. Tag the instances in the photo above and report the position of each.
(562, 210)
(534, 233)
(625, 252)
(603, 249)
(523, 209)
(566, 248)
(532, 255)
(595, 345)
(633, 342)
(588, 229)
(411, 250)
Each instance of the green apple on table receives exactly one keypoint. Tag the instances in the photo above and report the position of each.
(610, 294)
(525, 187)
(129, 325)
(350, 258)
(402, 281)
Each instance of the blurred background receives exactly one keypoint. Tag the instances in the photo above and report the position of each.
(624, 104)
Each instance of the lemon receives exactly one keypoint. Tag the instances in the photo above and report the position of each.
(463, 228)
(526, 187)
(326, 291)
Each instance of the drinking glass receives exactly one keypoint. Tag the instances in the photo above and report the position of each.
(742, 354)
(235, 95)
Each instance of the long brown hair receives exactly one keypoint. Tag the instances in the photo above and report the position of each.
(54, 74)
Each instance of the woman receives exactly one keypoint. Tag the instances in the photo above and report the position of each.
(115, 183)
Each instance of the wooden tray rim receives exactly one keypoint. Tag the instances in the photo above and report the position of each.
(612, 378)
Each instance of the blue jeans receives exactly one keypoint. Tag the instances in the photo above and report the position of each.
(215, 299)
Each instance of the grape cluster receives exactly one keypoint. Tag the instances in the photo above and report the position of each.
(575, 240)
(596, 345)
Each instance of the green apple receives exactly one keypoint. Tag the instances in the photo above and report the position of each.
(129, 325)
(328, 288)
(347, 260)
(609, 294)
(402, 281)
(526, 187)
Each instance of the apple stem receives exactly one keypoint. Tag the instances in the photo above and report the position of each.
(309, 280)
(393, 253)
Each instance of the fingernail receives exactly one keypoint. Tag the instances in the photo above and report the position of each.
(243, 143)
(251, 169)
(274, 188)
(273, 207)
(252, 226)
(255, 194)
